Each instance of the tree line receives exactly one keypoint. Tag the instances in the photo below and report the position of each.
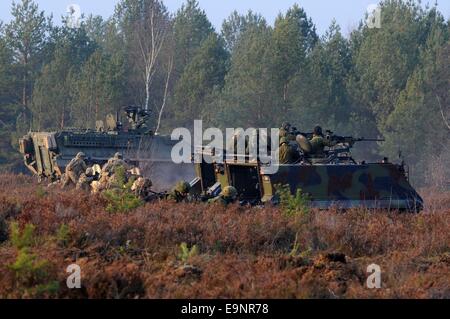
(391, 81)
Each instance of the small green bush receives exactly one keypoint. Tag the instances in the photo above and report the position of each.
(121, 201)
(31, 274)
(293, 205)
(186, 253)
(63, 235)
(120, 198)
(22, 239)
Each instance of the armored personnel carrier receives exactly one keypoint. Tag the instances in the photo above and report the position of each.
(333, 179)
(46, 154)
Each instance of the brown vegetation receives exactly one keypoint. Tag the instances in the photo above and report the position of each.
(239, 252)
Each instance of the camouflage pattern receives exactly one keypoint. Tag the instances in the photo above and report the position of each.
(84, 182)
(176, 197)
(377, 185)
(74, 170)
(225, 201)
(342, 184)
(142, 188)
(318, 144)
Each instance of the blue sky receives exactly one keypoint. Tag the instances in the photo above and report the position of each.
(348, 13)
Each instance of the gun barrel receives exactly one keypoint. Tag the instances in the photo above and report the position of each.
(371, 140)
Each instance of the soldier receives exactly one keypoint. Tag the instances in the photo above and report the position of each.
(76, 167)
(287, 131)
(318, 142)
(142, 188)
(180, 193)
(113, 162)
(226, 197)
(286, 154)
(85, 180)
(101, 184)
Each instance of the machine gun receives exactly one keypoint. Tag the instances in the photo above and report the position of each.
(349, 140)
(138, 119)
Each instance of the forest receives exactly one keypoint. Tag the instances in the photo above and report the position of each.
(390, 82)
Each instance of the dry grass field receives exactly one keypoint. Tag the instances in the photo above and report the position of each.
(165, 250)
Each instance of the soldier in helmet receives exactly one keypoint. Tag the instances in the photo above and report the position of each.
(76, 167)
(286, 126)
(114, 162)
(318, 142)
(180, 193)
(142, 188)
(226, 197)
(85, 180)
(287, 131)
(286, 152)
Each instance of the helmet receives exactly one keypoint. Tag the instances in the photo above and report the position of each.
(318, 130)
(118, 156)
(229, 192)
(286, 126)
(89, 171)
(81, 155)
(183, 187)
(283, 140)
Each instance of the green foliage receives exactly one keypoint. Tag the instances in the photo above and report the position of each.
(120, 198)
(22, 239)
(63, 235)
(121, 201)
(293, 205)
(187, 253)
(296, 250)
(32, 275)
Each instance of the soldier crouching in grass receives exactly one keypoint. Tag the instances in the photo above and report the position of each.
(76, 167)
(85, 180)
(180, 193)
(226, 197)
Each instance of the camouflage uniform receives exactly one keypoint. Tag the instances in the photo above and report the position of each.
(85, 180)
(318, 143)
(101, 184)
(286, 155)
(114, 162)
(180, 193)
(226, 197)
(141, 188)
(76, 167)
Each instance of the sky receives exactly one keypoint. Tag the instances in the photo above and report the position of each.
(348, 13)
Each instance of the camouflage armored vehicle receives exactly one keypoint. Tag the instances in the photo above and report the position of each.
(334, 179)
(46, 154)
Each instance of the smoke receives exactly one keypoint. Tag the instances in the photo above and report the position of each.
(154, 159)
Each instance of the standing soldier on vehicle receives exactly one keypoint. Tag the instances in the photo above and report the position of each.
(180, 193)
(76, 167)
(226, 197)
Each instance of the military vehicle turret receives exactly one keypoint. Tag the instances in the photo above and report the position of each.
(332, 179)
(46, 154)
